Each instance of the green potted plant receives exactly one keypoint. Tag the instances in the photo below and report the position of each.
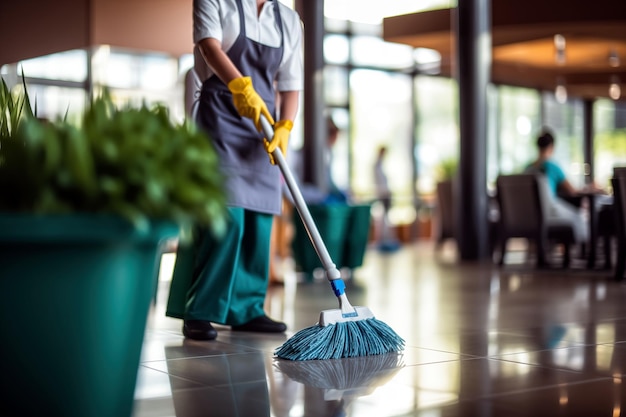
(83, 210)
(446, 170)
(446, 173)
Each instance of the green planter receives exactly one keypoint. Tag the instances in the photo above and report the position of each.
(357, 236)
(76, 291)
(332, 221)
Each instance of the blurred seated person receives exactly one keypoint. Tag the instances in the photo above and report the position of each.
(283, 228)
(311, 193)
(544, 163)
(557, 183)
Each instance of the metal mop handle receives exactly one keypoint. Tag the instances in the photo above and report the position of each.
(332, 273)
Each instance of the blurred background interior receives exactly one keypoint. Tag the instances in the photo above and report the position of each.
(388, 79)
(456, 95)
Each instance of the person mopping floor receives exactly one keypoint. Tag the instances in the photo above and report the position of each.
(246, 51)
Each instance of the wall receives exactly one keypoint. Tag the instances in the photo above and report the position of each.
(31, 28)
(152, 25)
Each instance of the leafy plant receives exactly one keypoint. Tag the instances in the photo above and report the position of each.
(447, 168)
(132, 162)
(13, 109)
(613, 142)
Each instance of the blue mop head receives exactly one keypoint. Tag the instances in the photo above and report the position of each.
(341, 340)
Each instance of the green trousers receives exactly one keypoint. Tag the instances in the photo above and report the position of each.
(223, 280)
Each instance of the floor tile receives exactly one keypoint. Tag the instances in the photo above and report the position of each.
(481, 340)
(178, 347)
(593, 398)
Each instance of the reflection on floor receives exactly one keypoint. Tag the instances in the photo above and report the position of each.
(481, 341)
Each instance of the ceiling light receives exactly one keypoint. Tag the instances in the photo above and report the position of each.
(614, 59)
(427, 61)
(615, 90)
(559, 47)
(560, 92)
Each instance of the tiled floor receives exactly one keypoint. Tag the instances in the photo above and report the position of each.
(481, 341)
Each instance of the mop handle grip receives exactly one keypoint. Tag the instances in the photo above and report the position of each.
(332, 273)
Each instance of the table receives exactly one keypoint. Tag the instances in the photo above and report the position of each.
(594, 199)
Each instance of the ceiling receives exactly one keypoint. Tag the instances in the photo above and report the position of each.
(527, 37)
(34, 28)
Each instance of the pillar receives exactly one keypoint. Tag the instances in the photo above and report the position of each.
(588, 140)
(473, 53)
(312, 15)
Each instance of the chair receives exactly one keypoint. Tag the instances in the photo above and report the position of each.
(619, 172)
(619, 202)
(606, 231)
(525, 213)
(607, 223)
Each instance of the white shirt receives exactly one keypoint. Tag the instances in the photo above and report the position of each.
(380, 179)
(219, 19)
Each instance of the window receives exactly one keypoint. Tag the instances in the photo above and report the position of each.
(336, 49)
(58, 82)
(52, 102)
(137, 78)
(336, 85)
(566, 122)
(370, 51)
(340, 152)
(381, 114)
(437, 150)
(519, 111)
(373, 11)
(609, 140)
(64, 66)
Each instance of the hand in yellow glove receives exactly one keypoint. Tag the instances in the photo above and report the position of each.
(248, 102)
(282, 130)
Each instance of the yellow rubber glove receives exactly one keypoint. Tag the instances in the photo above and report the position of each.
(282, 130)
(248, 102)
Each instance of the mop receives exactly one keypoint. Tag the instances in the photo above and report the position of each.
(348, 331)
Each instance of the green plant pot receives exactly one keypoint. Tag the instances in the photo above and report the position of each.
(76, 291)
(357, 235)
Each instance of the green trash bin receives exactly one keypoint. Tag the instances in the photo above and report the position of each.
(357, 236)
(332, 222)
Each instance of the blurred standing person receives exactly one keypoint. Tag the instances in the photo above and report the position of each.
(335, 194)
(383, 193)
(283, 227)
(193, 85)
(388, 242)
(311, 193)
(248, 55)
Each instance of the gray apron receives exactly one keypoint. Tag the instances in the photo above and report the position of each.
(251, 181)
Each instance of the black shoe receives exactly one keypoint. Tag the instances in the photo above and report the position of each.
(199, 330)
(262, 324)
